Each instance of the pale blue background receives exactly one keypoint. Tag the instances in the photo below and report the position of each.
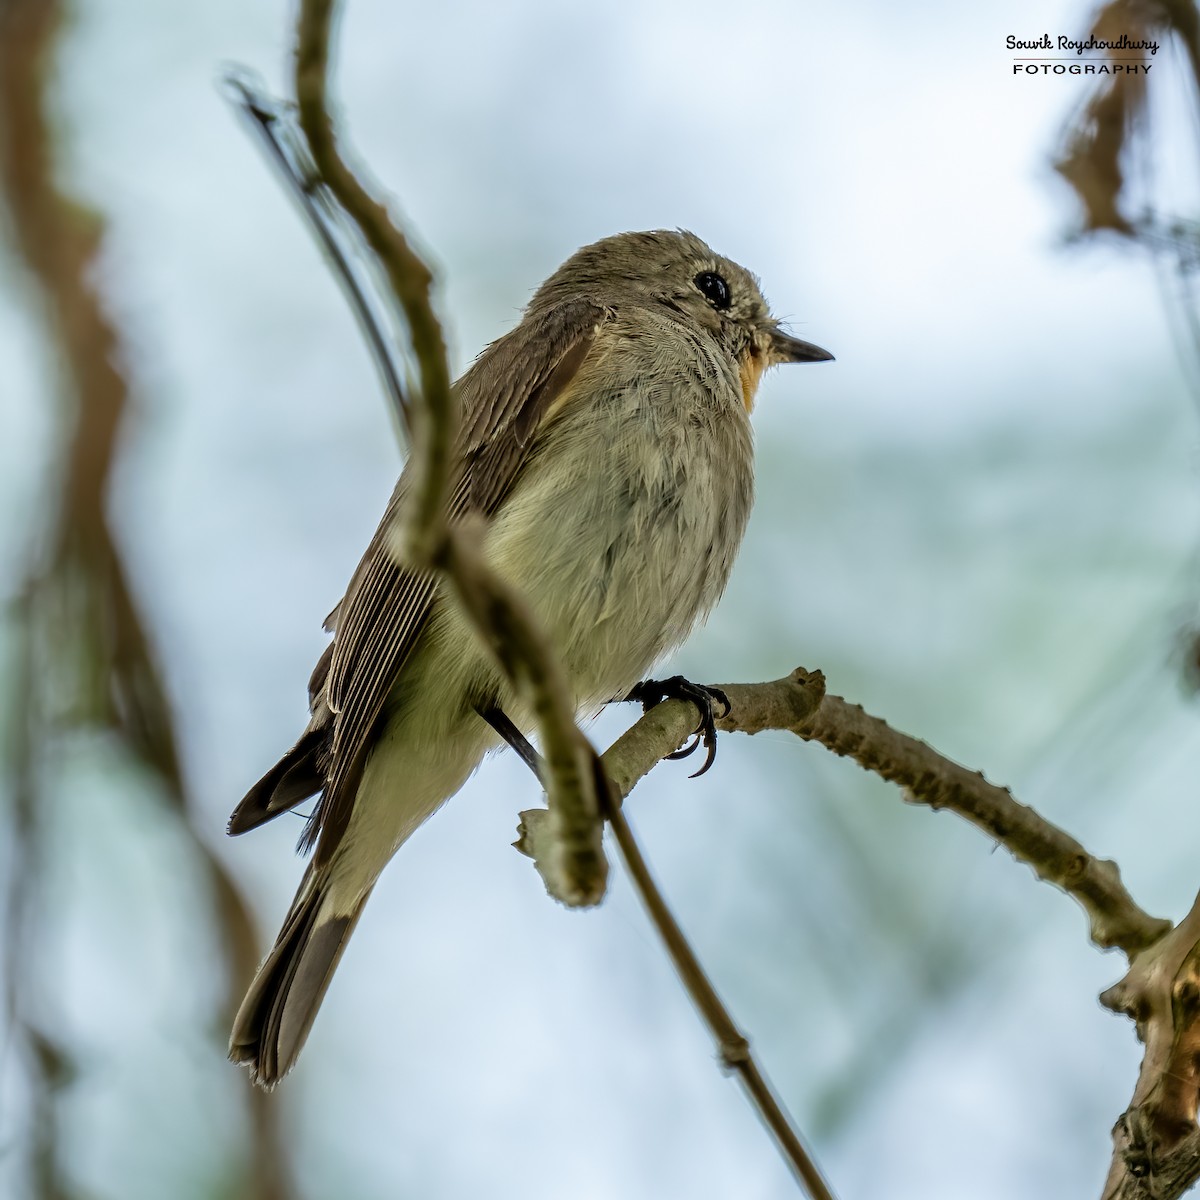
(981, 523)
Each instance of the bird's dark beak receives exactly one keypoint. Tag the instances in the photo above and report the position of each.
(788, 349)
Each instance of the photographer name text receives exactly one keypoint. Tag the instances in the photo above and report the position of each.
(1079, 47)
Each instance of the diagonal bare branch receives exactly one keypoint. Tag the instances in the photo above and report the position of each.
(928, 778)
(578, 869)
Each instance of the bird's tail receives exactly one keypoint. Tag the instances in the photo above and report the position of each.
(278, 1011)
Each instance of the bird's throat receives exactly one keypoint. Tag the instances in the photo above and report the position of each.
(751, 369)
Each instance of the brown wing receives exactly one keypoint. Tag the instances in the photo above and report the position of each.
(504, 397)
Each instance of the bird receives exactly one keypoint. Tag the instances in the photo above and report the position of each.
(606, 445)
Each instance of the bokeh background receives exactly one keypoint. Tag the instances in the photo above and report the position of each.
(982, 523)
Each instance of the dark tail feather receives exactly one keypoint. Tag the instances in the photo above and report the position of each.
(295, 777)
(273, 1022)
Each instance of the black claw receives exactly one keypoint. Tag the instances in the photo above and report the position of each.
(690, 748)
(709, 758)
(654, 691)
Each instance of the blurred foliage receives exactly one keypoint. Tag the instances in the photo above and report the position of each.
(83, 661)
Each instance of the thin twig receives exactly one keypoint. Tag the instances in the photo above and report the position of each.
(432, 422)
(428, 538)
(732, 1044)
(275, 128)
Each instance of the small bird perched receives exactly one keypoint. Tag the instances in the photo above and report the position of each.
(606, 441)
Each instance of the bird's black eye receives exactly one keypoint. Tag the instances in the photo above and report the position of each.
(714, 287)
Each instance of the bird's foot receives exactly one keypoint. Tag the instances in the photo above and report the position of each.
(654, 691)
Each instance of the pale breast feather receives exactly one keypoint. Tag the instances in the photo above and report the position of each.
(505, 396)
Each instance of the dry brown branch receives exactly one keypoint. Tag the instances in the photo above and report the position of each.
(578, 869)
(1100, 135)
(798, 703)
(1115, 919)
(1095, 140)
(1156, 1142)
(78, 619)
